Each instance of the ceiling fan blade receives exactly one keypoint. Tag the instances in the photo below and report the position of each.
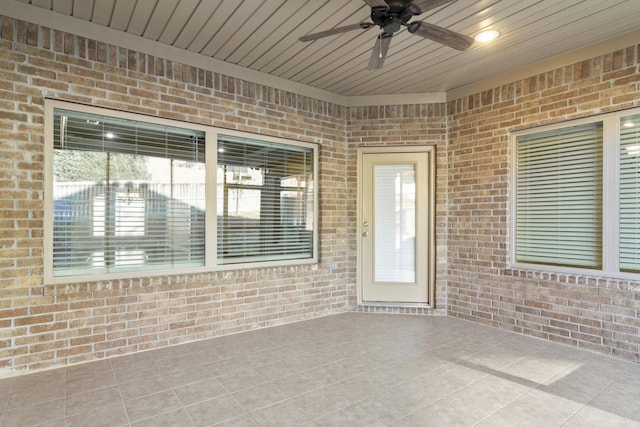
(425, 5)
(376, 3)
(440, 35)
(337, 30)
(379, 52)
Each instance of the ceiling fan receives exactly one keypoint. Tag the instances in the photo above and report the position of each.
(391, 16)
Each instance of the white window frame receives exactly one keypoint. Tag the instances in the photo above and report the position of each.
(211, 138)
(610, 197)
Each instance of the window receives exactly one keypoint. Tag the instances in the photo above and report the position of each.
(265, 200)
(576, 203)
(630, 194)
(133, 194)
(559, 203)
(127, 195)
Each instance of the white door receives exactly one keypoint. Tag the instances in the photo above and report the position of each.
(395, 244)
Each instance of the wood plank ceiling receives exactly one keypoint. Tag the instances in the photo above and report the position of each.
(263, 35)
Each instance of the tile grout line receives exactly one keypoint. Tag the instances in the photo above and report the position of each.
(124, 407)
(524, 393)
(586, 404)
(530, 388)
(478, 379)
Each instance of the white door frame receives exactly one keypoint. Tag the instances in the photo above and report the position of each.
(431, 150)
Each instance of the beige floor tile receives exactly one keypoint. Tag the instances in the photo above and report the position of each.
(286, 413)
(257, 397)
(595, 417)
(242, 421)
(172, 379)
(38, 387)
(273, 370)
(622, 397)
(91, 380)
(322, 401)
(93, 399)
(214, 411)
(83, 370)
(151, 405)
(533, 409)
(223, 367)
(199, 391)
(134, 389)
(540, 367)
(580, 382)
(352, 416)
(39, 413)
(113, 415)
(408, 398)
(171, 352)
(131, 367)
(168, 419)
(296, 384)
(241, 380)
(346, 370)
(354, 389)
(168, 364)
(449, 378)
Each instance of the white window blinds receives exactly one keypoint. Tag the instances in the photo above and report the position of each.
(559, 197)
(395, 223)
(127, 195)
(265, 200)
(630, 194)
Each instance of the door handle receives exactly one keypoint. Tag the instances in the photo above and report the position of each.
(365, 234)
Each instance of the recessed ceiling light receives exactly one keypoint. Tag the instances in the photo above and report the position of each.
(487, 36)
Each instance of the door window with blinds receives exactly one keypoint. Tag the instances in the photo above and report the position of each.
(576, 201)
(132, 194)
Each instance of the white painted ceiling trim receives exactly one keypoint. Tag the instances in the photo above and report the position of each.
(61, 22)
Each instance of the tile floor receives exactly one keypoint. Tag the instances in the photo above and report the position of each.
(351, 369)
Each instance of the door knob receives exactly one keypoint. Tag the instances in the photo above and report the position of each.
(365, 234)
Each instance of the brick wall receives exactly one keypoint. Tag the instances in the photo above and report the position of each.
(43, 325)
(596, 313)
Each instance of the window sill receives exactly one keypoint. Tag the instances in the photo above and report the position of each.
(567, 274)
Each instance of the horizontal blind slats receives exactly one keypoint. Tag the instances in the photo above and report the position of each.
(128, 195)
(266, 200)
(559, 197)
(630, 194)
(75, 130)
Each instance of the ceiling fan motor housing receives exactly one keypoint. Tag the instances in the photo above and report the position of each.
(392, 17)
